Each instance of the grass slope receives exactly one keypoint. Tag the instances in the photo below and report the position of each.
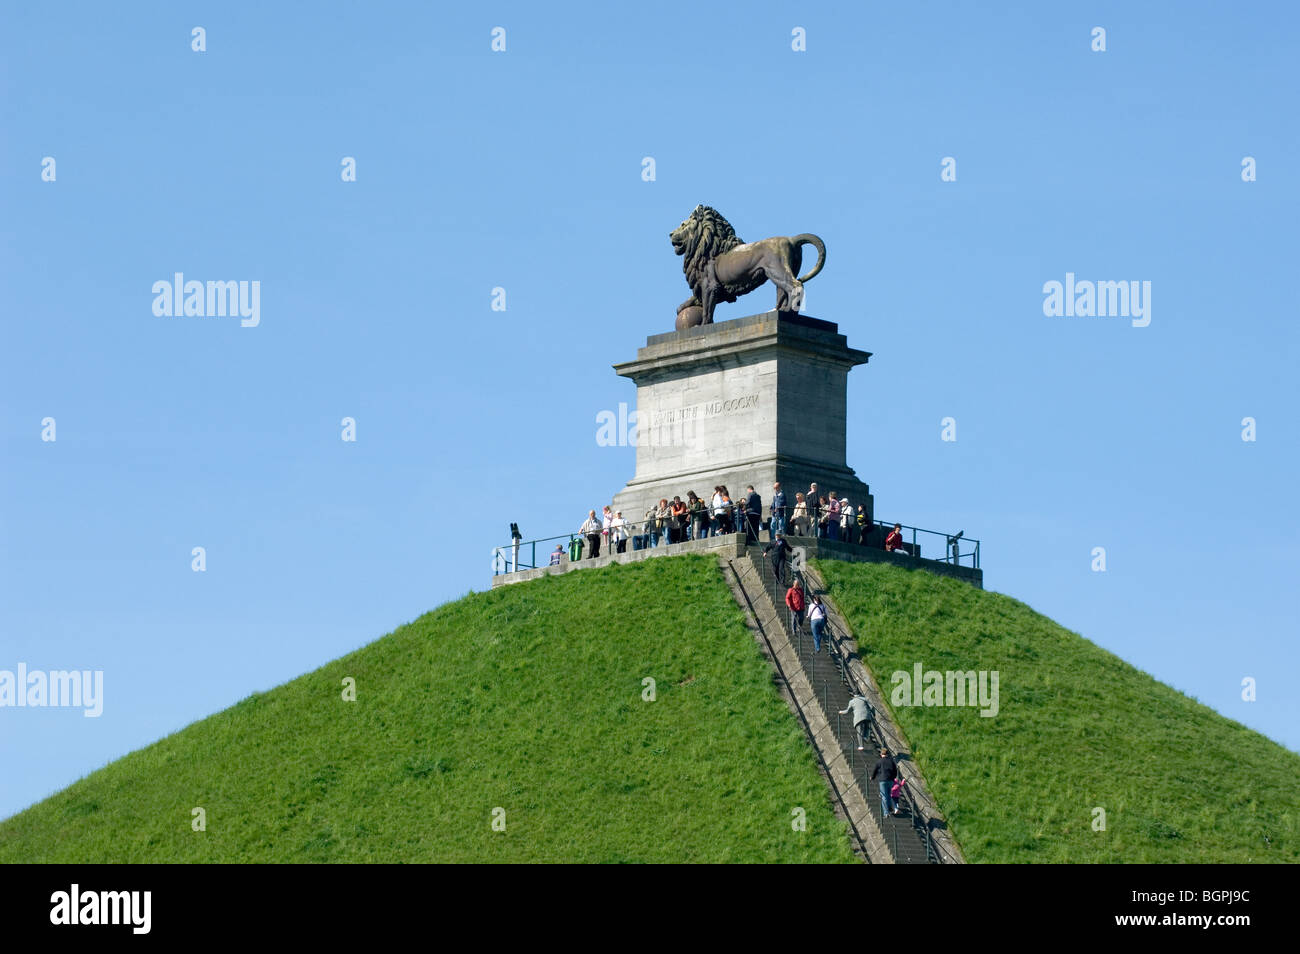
(527, 698)
(1078, 728)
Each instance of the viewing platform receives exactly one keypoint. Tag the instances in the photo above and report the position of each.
(515, 567)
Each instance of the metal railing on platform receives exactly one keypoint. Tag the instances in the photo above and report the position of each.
(523, 554)
(957, 549)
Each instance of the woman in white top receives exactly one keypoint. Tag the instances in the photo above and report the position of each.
(817, 616)
(618, 532)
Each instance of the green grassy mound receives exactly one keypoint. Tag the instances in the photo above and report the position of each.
(527, 699)
(1077, 729)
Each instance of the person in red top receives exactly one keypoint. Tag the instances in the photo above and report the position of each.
(794, 601)
(894, 542)
(677, 519)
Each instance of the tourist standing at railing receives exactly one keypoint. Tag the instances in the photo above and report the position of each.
(833, 517)
(846, 521)
(814, 511)
(794, 601)
(606, 518)
(557, 555)
(618, 532)
(677, 521)
(753, 514)
(647, 531)
(799, 516)
(884, 773)
(817, 617)
(715, 511)
(699, 515)
(591, 530)
(861, 710)
(864, 525)
(894, 542)
(778, 512)
(661, 523)
(820, 514)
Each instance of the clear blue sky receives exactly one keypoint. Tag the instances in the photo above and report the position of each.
(522, 170)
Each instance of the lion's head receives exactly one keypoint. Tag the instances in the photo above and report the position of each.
(705, 234)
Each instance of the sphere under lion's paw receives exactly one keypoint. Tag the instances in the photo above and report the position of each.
(690, 316)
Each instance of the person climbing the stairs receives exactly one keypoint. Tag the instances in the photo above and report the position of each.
(896, 792)
(817, 616)
(794, 601)
(861, 709)
(884, 773)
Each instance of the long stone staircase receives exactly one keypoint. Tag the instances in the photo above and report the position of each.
(832, 677)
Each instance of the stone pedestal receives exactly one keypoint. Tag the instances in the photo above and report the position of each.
(748, 401)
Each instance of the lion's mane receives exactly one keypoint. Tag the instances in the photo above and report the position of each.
(709, 236)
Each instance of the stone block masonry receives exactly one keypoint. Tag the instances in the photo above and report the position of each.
(748, 401)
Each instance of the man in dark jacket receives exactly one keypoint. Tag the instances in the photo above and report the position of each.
(778, 512)
(753, 514)
(885, 772)
(778, 549)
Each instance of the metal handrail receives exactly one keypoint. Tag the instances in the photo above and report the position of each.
(508, 558)
(947, 547)
(917, 816)
(950, 556)
(803, 717)
(516, 549)
(920, 821)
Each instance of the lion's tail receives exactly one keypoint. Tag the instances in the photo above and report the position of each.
(807, 238)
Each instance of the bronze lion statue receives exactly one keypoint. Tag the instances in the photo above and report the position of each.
(720, 267)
